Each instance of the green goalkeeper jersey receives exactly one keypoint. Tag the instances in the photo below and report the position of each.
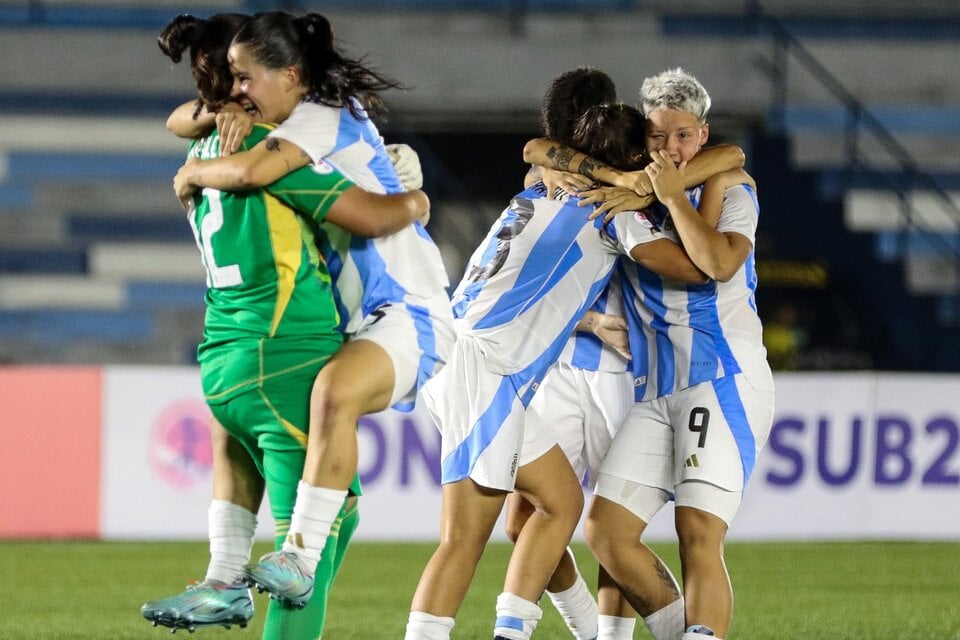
(270, 307)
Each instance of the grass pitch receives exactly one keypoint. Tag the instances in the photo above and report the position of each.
(829, 591)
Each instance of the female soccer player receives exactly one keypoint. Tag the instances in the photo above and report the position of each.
(392, 292)
(526, 287)
(270, 305)
(708, 403)
(589, 393)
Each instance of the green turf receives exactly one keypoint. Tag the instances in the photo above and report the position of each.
(855, 591)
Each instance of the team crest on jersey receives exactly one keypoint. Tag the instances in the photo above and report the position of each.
(641, 217)
(322, 168)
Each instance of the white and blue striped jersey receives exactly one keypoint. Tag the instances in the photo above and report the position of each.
(586, 351)
(697, 333)
(540, 268)
(404, 267)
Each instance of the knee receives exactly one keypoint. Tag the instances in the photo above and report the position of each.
(593, 535)
(331, 400)
(464, 543)
(567, 505)
(599, 539)
(700, 534)
(559, 501)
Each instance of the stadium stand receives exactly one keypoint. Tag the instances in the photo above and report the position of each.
(96, 263)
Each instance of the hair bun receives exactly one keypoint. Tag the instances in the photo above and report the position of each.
(317, 25)
(179, 35)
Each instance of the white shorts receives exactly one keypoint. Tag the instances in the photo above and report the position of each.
(480, 417)
(699, 444)
(583, 409)
(417, 335)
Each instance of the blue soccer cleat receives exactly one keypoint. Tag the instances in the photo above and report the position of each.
(280, 574)
(209, 603)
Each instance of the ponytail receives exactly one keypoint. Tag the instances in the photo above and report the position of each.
(208, 41)
(277, 39)
(179, 35)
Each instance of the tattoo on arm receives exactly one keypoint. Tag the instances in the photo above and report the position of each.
(273, 144)
(561, 156)
(587, 167)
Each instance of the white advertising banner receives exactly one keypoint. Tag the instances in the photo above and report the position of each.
(850, 456)
(855, 456)
(156, 461)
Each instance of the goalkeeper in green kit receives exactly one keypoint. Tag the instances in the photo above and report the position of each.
(271, 324)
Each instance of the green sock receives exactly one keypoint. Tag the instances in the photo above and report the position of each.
(306, 624)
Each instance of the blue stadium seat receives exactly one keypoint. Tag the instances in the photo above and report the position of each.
(901, 27)
(834, 182)
(71, 101)
(49, 165)
(15, 196)
(894, 245)
(46, 259)
(52, 325)
(86, 227)
(165, 295)
(894, 118)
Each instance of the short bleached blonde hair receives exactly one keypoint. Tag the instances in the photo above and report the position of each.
(675, 90)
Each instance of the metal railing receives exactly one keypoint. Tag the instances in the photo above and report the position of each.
(859, 120)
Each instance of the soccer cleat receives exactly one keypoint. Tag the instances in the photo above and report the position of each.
(280, 574)
(209, 603)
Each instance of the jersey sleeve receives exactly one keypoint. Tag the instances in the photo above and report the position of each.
(312, 127)
(311, 190)
(740, 212)
(635, 228)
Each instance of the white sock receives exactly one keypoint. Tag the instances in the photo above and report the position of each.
(578, 609)
(231, 529)
(698, 632)
(313, 515)
(615, 628)
(516, 617)
(667, 623)
(423, 626)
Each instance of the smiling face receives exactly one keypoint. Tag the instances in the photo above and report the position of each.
(272, 93)
(677, 132)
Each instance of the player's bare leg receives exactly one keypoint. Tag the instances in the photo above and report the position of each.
(614, 535)
(358, 379)
(567, 589)
(236, 478)
(706, 583)
(467, 517)
(519, 510)
(616, 619)
(551, 486)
